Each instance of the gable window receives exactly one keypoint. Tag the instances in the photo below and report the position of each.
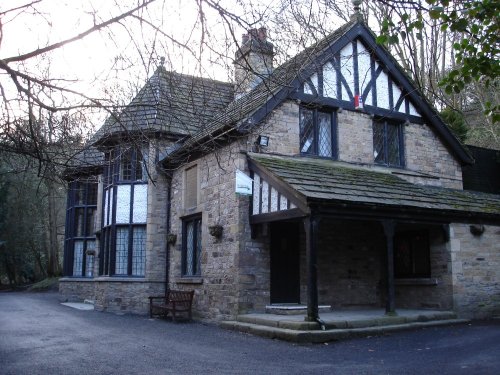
(123, 241)
(318, 133)
(412, 255)
(388, 143)
(191, 246)
(80, 239)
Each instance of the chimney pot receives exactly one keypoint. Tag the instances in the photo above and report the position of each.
(244, 38)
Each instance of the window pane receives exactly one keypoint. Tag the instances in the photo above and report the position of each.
(89, 266)
(139, 251)
(198, 247)
(378, 142)
(324, 134)
(306, 131)
(126, 166)
(89, 226)
(121, 251)
(79, 222)
(190, 248)
(79, 194)
(78, 258)
(92, 194)
(393, 145)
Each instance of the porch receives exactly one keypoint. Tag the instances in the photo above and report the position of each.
(337, 325)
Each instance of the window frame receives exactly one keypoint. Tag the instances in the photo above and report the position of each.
(110, 228)
(316, 112)
(81, 207)
(385, 133)
(418, 245)
(197, 241)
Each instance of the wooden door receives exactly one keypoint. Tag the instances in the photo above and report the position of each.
(285, 262)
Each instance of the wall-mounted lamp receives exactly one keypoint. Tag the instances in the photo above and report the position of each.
(262, 140)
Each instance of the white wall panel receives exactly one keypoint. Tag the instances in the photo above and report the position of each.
(347, 69)
(140, 212)
(265, 197)
(256, 194)
(329, 81)
(364, 72)
(382, 90)
(274, 200)
(123, 204)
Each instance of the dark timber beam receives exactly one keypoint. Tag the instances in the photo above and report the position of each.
(389, 225)
(311, 228)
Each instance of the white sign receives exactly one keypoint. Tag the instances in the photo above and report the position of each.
(244, 183)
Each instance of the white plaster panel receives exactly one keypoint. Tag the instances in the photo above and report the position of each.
(292, 205)
(140, 213)
(383, 90)
(413, 110)
(283, 203)
(106, 195)
(347, 69)
(256, 193)
(265, 197)
(274, 200)
(123, 204)
(329, 81)
(314, 80)
(364, 71)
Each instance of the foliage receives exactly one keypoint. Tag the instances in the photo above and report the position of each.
(24, 203)
(455, 120)
(476, 50)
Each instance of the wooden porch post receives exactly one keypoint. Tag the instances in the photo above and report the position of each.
(389, 225)
(311, 229)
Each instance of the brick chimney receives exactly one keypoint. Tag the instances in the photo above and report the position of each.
(253, 61)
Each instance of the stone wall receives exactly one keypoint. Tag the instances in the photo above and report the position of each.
(475, 261)
(216, 291)
(425, 153)
(76, 289)
(428, 161)
(125, 295)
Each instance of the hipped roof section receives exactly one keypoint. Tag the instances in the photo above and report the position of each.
(170, 103)
(327, 182)
(249, 110)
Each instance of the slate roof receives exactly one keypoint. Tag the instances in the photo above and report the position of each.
(169, 102)
(335, 182)
(86, 160)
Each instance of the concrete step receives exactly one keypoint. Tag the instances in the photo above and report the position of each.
(319, 336)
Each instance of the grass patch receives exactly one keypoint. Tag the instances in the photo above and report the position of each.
(51, 283)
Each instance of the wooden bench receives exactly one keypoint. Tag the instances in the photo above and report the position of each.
(174, 302)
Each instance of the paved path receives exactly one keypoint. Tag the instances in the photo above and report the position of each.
(40, 336)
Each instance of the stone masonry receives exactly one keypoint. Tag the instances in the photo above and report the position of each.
(475, 260)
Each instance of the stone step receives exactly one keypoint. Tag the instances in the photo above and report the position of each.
(320, 336)
(293, 323)
(294, 309)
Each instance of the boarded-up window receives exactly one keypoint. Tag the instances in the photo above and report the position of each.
(191, 187)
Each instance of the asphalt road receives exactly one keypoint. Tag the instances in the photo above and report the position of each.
(40, 336)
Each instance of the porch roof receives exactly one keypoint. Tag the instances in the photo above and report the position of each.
(326, 184)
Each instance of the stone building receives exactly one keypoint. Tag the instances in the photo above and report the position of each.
(355, 199)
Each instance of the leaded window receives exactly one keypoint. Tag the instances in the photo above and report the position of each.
(318, 133)
(388, 143)
(123, 241)
(191, 247)
(80, 239)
